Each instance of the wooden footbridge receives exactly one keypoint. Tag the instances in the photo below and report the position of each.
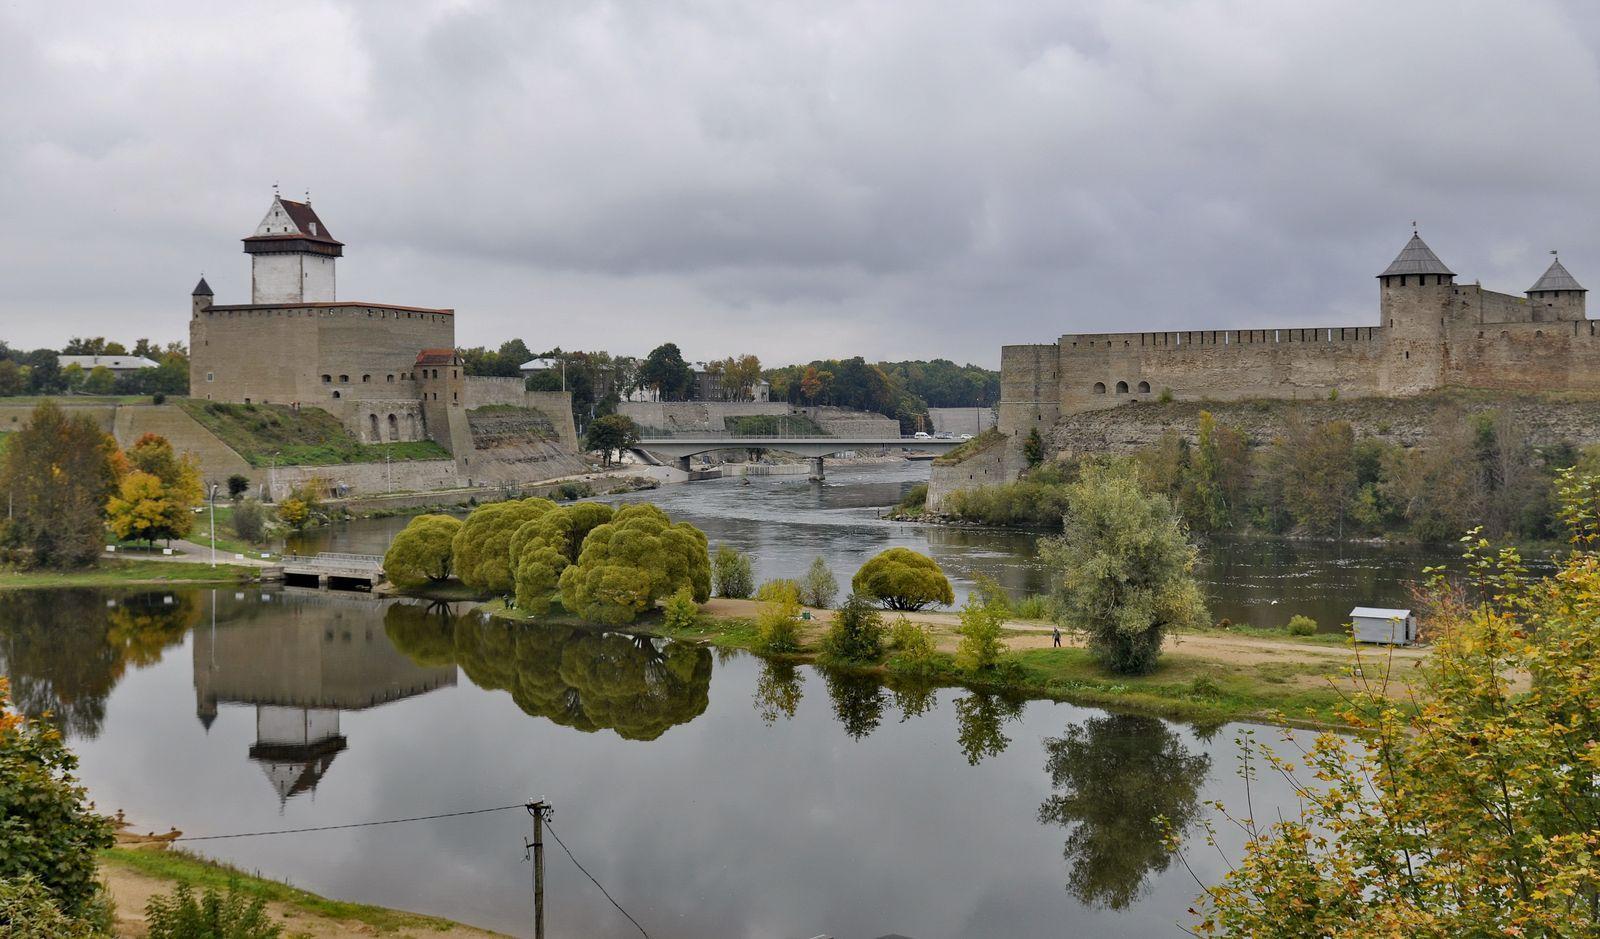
(333, 569)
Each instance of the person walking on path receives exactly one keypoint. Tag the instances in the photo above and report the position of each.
(1055, 636)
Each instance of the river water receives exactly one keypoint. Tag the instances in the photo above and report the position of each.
(711, 795)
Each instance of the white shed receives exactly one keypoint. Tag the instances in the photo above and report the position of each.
(1376, 624)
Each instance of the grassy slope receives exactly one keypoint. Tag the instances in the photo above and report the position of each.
(180, 867)
(307, 437)
(110, 573)
(989, 438)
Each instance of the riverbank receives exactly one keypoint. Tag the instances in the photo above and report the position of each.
(115, 572)
(1205, 676)
(134, 874)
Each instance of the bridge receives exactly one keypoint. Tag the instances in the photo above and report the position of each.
(333, 569)
(680, 447)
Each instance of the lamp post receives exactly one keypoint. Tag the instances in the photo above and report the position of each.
(213, 531)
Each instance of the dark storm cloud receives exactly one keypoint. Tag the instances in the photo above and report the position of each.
(794, 179)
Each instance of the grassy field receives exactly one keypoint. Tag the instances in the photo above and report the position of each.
(267, 433)
(112, 572)
(179, 867)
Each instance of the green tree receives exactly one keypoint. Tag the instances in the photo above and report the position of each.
(238, 485)
(902, 579)
(180, 488)
(611, 434)
(12, 381)
(481, 548)
(857, 632)
(629, 563)
(732, 573)
(1123, 568)
(1122, 782)
(100, 381)
(981, 621)
(1316, 469)
(57, 474)
(421, 553)
(819, 586)
(778, 617)
(543, 548)
(1033, 447)
(250, 520)
(49, 830)
(1476, 814)
(140, 510)
(665, 371)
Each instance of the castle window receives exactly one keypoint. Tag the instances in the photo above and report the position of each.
(344, 379)
(1099, 387)
(389, 379)
(327, 379)
(372, 419)
(1122, 387)
(454, 396)
(394, 427)
(211, 376)
(336, 394)
(366, 378)
(1144, 387)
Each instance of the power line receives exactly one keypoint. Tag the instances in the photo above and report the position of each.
(596, 882)
(391, 821)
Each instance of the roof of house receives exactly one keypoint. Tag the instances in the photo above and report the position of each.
(1416, 258)
(310, 227)
(117, 363)
(1557, 278)
(202, 289)
(1378, 612)
(534, 365)
(436, 357)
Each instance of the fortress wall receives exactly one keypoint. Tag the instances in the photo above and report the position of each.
(1219, 364)
(1029, 388)
(557, 406)
(264, 355)
(1563, 356)
(481, 390)
(1492, 307)
(360, 341)
(367, 478)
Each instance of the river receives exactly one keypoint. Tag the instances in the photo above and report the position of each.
(712, 795)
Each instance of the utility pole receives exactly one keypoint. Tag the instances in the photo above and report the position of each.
(538, 810)
(213, 526)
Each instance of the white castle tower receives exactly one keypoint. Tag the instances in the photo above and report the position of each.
(292, 256)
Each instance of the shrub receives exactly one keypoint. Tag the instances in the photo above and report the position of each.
(482, 546)
(238, 485)
(159, 397)
(856, 634)
(630, 562)
(181, 916)
(681, 610)
(732, 572)
(1166, 396)
(1038, 500)
(28, 911)
(902, 579)
(1300, 625)
(913, 647)
(819, 586)
(250, 521)
(573, 491)
(48, 828)
(915, 501)
(778, 621)
(1035, 606)
(778, 587)
(422, 552)
(980, 646)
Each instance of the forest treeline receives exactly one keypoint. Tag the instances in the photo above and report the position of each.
(1325, 479)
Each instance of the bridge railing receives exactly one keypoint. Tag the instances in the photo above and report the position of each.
(333, 560)
(757, 438)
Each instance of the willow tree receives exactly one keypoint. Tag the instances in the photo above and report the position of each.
(632, 561)
(482, 548)
(1124, 568)
(543, 548)
(422, 552)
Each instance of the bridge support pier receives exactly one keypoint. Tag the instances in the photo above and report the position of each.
(816, 474)
(683, 463)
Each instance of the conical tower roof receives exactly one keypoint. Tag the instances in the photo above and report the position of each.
(1416, 258)
(202, 289)
(1557, 278)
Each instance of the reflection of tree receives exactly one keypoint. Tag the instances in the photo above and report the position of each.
(143, 626)
(914, 698)
(1115, 775)
(778, 691)
(53, 646)
(858, 701)
(978, 720)
(580, 679)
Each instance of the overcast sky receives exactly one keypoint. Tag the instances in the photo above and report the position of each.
(797, 180)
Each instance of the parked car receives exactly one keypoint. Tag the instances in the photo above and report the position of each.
(944, 435)
(922, 435)
(966, 436)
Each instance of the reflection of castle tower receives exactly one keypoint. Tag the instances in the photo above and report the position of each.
(300, 668)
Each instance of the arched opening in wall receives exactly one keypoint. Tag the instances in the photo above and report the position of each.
(411, 425)
(1538, 332)
(372, 419)
(1144, 387)
(1505, 334)
(1122, 387)
(336, 394)
(366, 378)
(327, 379)
(394, 427)
(344, 379)
(389, 379)
(1099, 387)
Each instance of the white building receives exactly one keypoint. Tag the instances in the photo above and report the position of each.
(119, 364)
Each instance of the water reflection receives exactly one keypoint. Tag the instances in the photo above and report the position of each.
(858, 701)
(315, 658)
(778, 691)
(980, 724)
(1114, 775)
(638, 688)
(64, 650)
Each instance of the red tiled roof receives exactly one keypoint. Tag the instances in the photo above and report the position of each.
(436, 356)
(303, 217)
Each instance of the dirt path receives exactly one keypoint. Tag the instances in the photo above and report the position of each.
(133, 889)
